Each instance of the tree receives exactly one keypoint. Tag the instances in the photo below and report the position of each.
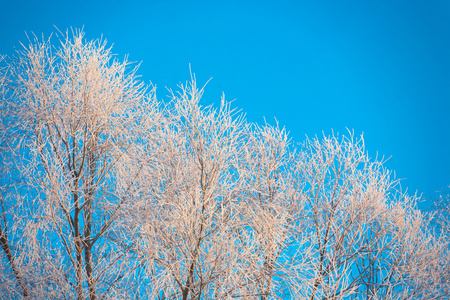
(442, 206)
(10, 196)
(271, 214)
(82, 110)
(106, 193)
(367, 241)
(186, 213)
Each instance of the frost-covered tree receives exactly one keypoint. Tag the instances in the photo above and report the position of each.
(81, 110)
(272, 215)
(107, 193)
(12, 209)
(189, 192)
(442, 205)
(367, 240)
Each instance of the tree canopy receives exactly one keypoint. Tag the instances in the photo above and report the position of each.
(109, 193)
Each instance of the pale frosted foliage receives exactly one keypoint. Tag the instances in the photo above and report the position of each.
(368, 241)
(106, 193)
(271, 211)
(442, 204)
(82, 110)
(187, 207)
(12, 211)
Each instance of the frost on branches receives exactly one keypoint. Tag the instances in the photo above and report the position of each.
(108, 193)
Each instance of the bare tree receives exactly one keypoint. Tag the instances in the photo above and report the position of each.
(187, 214)
(107, 194)
(10, 194)
(442, 206)
(370, 242)
(82, 109)
(271, 211)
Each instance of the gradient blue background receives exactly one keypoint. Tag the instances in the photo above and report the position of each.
(381, 68)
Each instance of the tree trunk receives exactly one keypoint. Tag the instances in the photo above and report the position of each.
(5, 246)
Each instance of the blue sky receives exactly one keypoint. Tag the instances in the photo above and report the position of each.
(377, 67)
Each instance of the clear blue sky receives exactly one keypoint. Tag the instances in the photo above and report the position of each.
(378, 67)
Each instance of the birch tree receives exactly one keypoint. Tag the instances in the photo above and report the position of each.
(82, 109)
(442, 206)
(106, 193)
(272, 208)
(187, 214)
(13, 282)
(368, 241)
